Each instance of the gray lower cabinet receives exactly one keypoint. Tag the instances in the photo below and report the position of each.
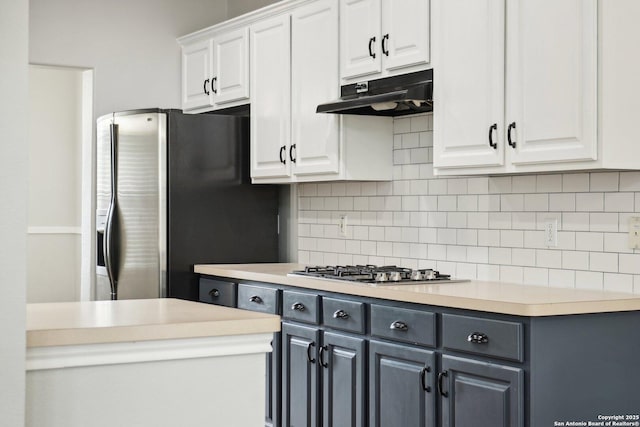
(401, 386)
(299, 375)
(480, 394)
(323, 378)
(343, 380)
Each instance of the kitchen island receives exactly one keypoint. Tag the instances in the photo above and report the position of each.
(487, 354)
(156, 362)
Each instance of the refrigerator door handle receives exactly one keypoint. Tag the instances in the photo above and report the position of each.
(111, 232)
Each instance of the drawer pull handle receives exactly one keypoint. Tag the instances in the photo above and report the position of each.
(256, 299)
(399, 326)
(441, 376)
(298, 306)
(423, 380)
(214, 293)
(309, 358)
(341, 314)
(478, 338)
(321, 356)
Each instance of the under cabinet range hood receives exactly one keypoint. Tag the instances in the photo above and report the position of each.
(390, 96)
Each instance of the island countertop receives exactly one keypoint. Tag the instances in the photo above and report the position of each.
(495, 297)
(95, 322)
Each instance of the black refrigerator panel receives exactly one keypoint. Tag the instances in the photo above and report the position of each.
(215, 215)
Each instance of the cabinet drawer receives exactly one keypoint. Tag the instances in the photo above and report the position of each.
(488, 337)
(401, 324)
(219, 292)
(346, 315)
(301, 306)
(258, 298)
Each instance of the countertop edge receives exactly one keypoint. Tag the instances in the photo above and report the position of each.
(629, 302)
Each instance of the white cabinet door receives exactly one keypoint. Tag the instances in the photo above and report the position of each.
(314, 80)
(469, 94)
(405, 33)
(551, 80)
(360, 39)
(230, 81)
(196, 75)
(271, 97)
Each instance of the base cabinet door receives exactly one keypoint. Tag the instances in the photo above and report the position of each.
(299, 375)
(402, 386)
(343, 374)
(480, 394)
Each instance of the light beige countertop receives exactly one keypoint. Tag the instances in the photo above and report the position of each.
(93, 322)
(495, 297)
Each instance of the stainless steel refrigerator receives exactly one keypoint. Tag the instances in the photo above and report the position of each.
(173, 190)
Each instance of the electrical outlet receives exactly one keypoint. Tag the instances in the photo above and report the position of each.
(551, 232)
(343, 225)
(634, 232)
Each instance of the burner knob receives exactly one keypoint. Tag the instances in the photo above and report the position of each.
(416, 275)
(381, 277)
(395, 276)
(430, 274)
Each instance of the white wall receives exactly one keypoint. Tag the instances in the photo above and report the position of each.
(130, 44)
(488, 228)
(239, 7)
(55, 172)
(13, 215)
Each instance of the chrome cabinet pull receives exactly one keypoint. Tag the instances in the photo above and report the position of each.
(298, 306)
(256, 299)
(478, 338)
(399, 326)
(214, 293)
(341, 314)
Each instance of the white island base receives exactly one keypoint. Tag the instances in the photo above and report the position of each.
(201, 381)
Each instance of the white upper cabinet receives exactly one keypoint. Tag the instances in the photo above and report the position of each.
(290, 142)
(196, 75)
(383, 36)
(314, 80)
(215, 70)
(469, 84)
(270, 120)
(516, 85)
(230, 81)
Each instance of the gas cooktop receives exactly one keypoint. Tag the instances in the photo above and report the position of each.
(374, 275)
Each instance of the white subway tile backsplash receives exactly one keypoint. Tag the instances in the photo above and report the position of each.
(575, 260)
(604, 181)
(590, 241)
(536, 202)
(619, 202)
(589, 280)
(590, 202)
(563, 202)
(478, 185)
(629, 181)
(489, 228)
(575, 182)
(512, 202)
(548, 183)
(524, 184)
(618, 282)
(562, 278)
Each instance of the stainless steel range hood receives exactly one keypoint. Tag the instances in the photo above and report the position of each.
(391, 96)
